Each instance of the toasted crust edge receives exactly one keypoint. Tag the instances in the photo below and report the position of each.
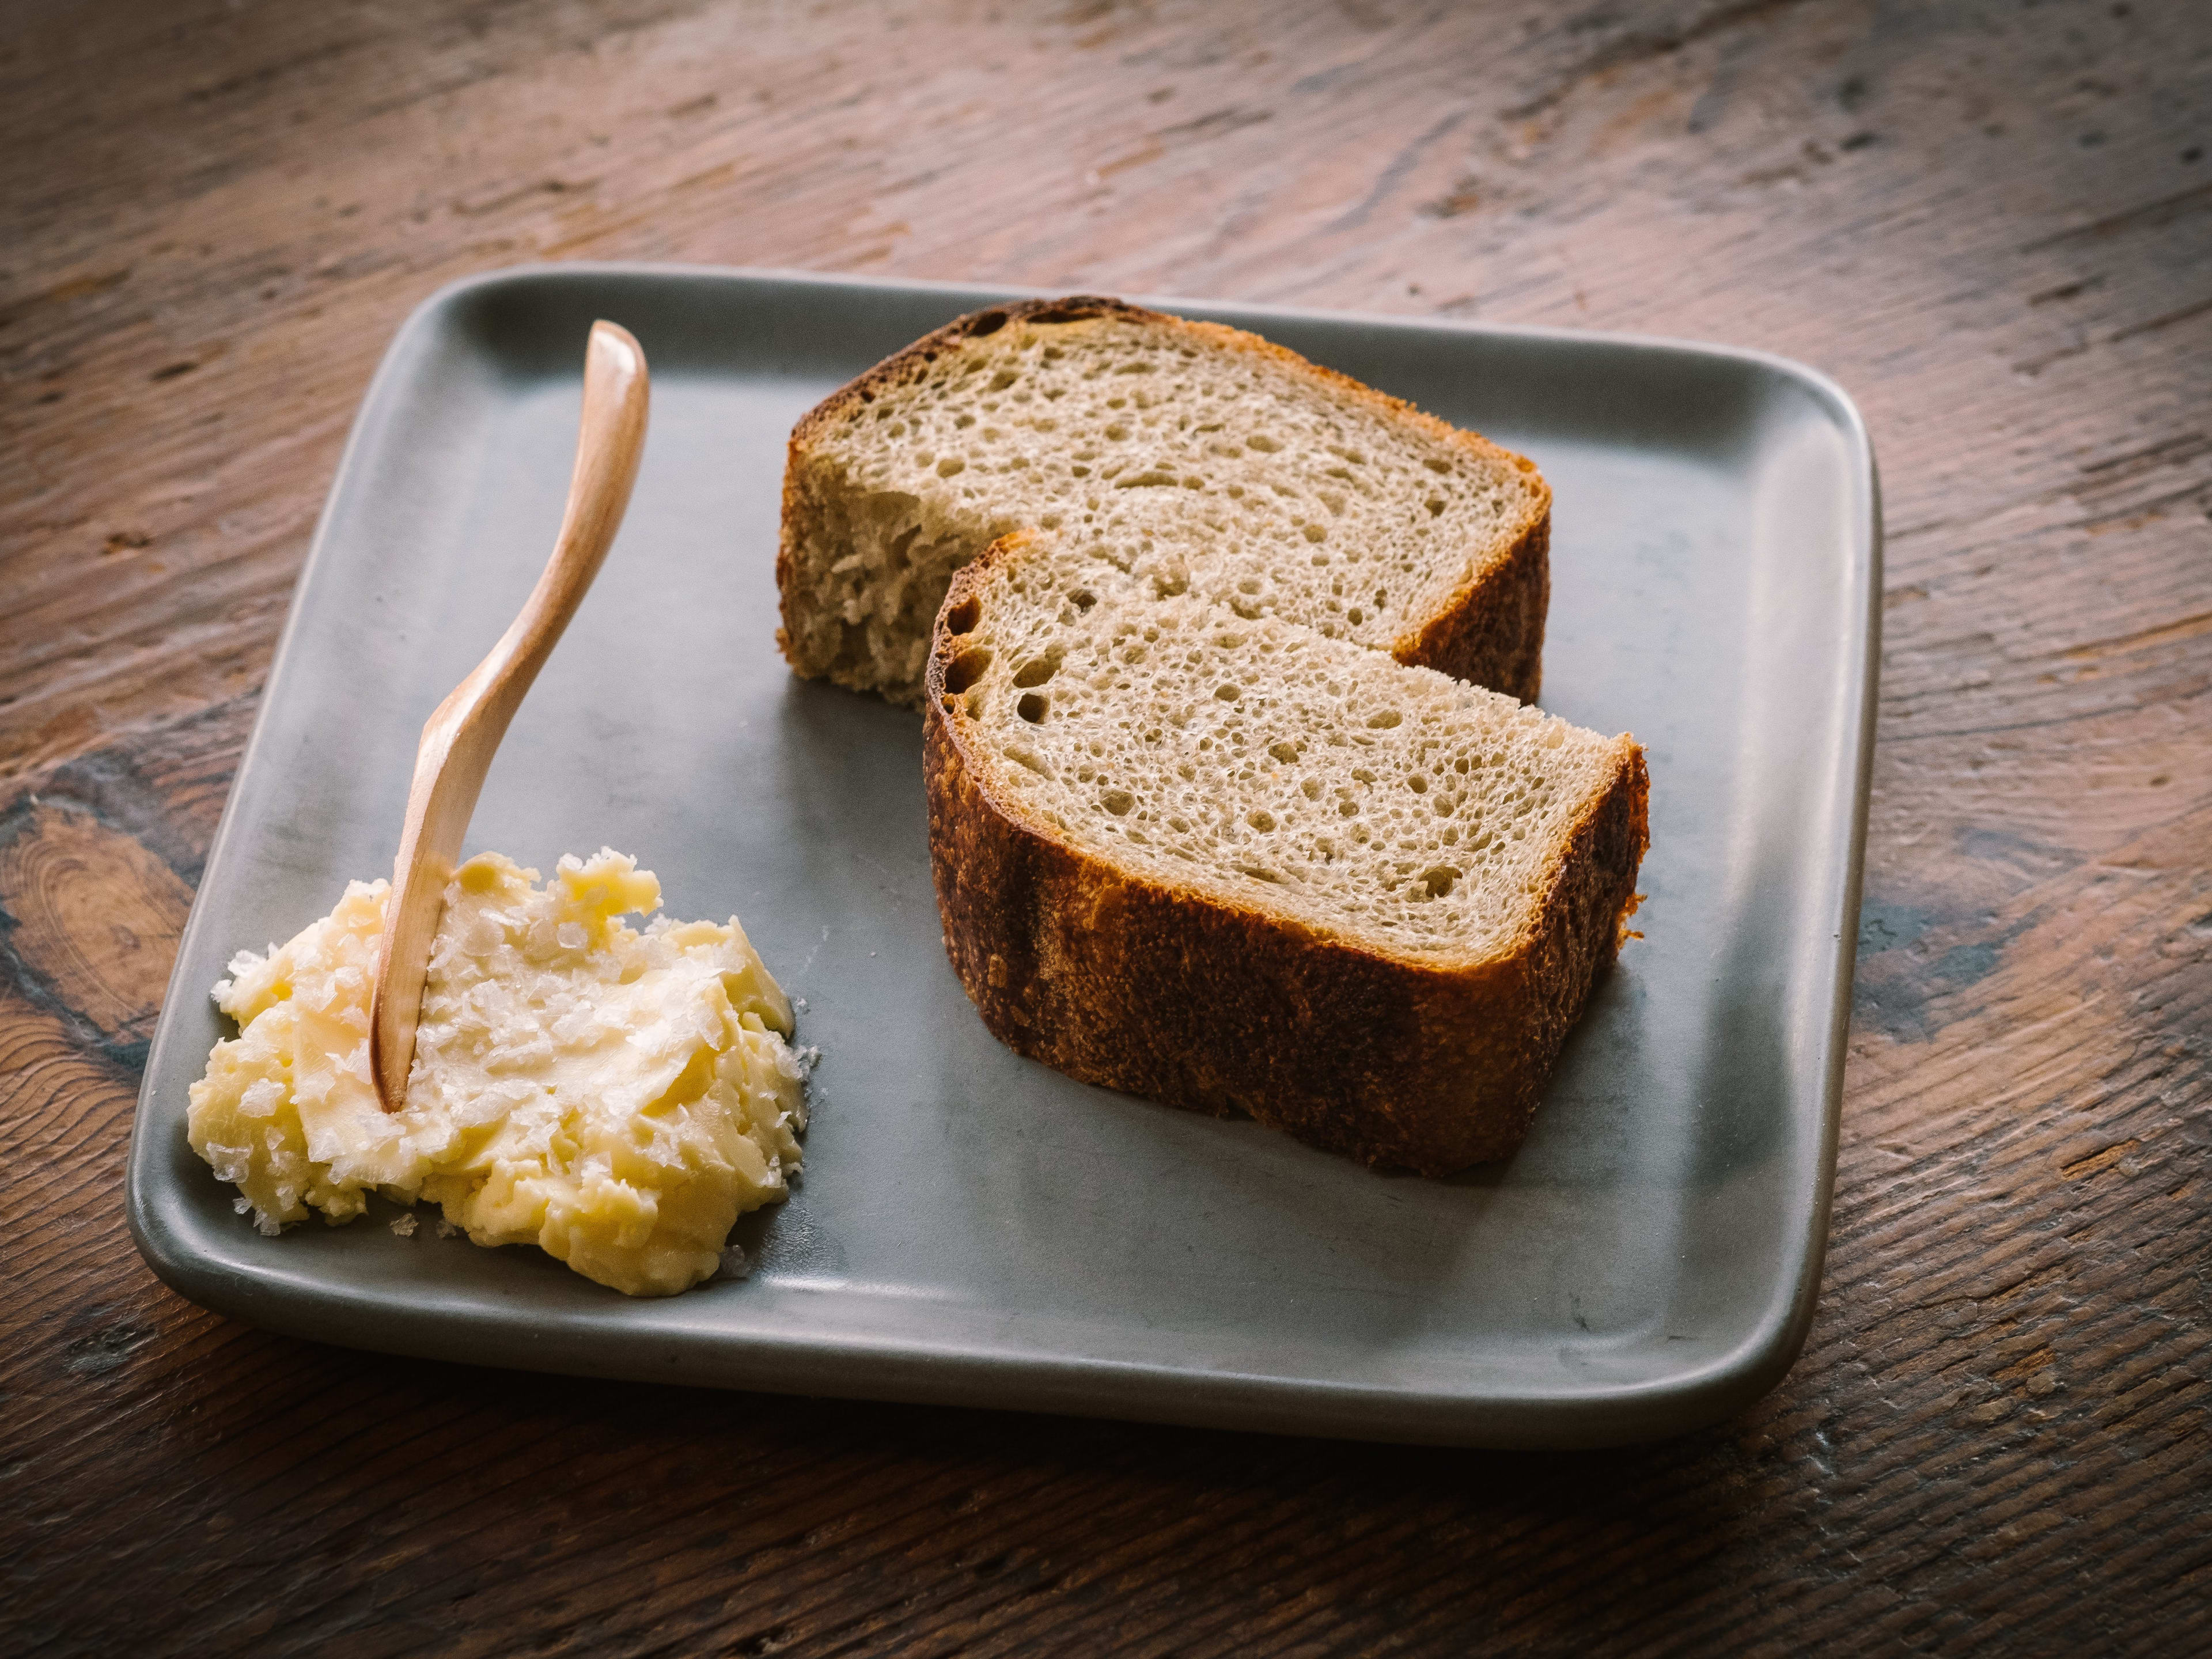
(1489, 630)
(1117, 979)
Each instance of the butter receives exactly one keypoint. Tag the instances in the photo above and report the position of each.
(617, 1099)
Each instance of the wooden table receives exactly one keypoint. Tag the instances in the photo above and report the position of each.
(1991, 222)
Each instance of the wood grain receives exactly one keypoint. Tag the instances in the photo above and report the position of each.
(1992, 222)
(92, 914)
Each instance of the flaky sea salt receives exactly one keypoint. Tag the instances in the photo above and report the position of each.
(405, 1225)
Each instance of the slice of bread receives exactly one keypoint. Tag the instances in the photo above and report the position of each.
(1261, 481)
(1234, 865)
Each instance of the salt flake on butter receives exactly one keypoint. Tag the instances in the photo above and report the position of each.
(617, 1098)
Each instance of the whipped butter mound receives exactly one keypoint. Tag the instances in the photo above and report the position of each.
(617, 1098)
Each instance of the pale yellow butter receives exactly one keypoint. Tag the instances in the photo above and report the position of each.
(617, 1098)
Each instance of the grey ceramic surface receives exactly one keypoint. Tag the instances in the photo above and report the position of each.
(971, 1227)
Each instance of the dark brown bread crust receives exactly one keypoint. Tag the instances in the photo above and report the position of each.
(1118, 980)
(1489, 630)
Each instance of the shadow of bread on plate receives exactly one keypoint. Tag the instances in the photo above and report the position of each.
(1279, 488)
(1234, 865)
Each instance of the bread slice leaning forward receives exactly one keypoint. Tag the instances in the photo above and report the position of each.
(1218, 461)
(1233, 864)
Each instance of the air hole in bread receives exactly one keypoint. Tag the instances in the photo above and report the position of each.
(965, 670)
(1032, 707)
(1117, 801)
(1263, 443)
(1037, 670)
(899, 553)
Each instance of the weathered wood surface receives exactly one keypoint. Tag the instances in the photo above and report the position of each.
(1992, 222)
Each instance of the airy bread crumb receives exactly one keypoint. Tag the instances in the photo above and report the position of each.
(1216, 461)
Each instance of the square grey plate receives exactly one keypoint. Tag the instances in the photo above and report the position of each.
(971, 1227)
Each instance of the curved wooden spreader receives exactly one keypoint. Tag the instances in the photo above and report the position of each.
(461, 739)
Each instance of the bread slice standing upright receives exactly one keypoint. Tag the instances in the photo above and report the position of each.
(1210, 457)
(1233, 864)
